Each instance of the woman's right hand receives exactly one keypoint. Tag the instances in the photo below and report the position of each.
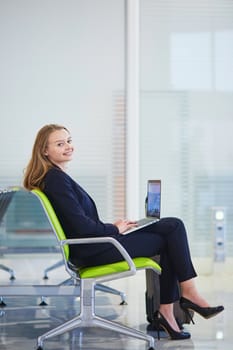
(125, 225)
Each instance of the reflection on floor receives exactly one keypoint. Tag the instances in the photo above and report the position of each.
(22, 320)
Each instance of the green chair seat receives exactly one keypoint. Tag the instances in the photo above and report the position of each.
(103, 270)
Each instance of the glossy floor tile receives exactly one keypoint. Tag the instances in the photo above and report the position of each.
(22, 320)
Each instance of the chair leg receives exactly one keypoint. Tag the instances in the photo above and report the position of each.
(87, 318)
(107, 289)
(65, 327)
(7, 269)
(119, 328)
(95, 322)
(52, 267)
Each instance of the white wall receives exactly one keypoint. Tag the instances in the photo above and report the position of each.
(61, 61)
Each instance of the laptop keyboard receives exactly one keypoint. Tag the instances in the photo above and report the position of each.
(144, 221)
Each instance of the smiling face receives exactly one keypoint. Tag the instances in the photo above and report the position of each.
(59, 149)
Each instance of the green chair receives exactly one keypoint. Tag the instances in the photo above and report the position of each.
(89, 277)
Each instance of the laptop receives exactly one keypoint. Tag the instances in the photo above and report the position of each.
(152, 205)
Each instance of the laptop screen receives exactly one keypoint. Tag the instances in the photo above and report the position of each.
(153, 198)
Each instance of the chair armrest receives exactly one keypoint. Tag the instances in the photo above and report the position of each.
(111, 240)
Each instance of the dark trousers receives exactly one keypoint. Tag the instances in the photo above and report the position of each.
(166, 238)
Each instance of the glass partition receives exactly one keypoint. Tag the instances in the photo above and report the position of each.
(186, 97)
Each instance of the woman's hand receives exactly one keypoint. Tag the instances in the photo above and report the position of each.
(125, 225)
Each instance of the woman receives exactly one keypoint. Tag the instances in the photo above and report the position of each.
(52, 151)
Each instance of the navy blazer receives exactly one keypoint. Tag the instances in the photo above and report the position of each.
(78, 215)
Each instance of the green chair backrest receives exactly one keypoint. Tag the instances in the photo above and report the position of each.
(52, 218)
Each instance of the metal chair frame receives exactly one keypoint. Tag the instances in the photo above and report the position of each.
(89, 277)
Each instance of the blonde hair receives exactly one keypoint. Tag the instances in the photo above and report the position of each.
(39, 164)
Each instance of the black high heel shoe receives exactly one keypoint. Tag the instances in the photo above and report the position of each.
(153, 327)
(161, 322)
(206, 312)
